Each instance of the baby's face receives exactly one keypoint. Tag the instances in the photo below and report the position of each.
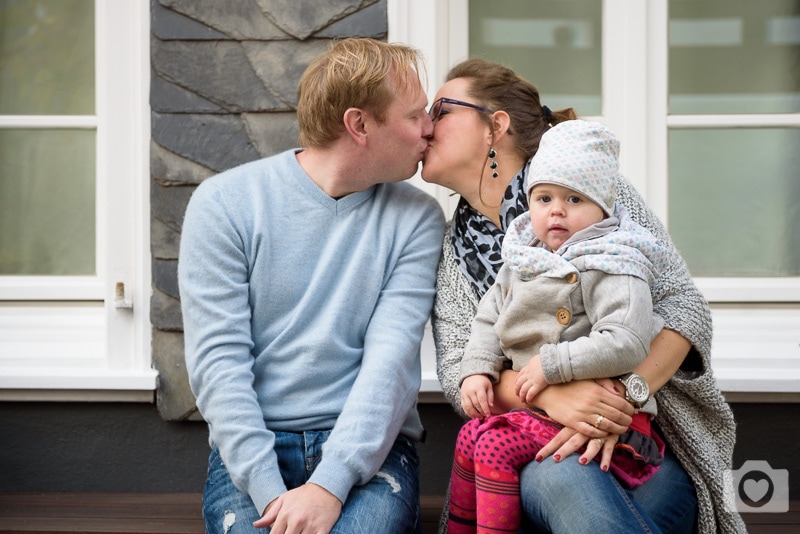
(557, 213)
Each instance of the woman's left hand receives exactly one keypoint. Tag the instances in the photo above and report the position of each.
(604, 446)
(568, 441)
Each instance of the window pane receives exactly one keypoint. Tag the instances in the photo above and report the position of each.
(47, 202)
(46, 57)
(733, 207)
(734, 56)
(554, 44)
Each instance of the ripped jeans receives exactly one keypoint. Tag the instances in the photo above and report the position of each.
(389, 503)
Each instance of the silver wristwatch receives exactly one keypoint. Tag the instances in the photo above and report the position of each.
(637, 391)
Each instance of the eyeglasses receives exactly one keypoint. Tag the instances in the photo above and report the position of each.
(436, 107)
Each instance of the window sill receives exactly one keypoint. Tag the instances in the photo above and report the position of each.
(755, 353)
(63, 385)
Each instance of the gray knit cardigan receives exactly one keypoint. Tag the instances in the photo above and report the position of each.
(693, 416)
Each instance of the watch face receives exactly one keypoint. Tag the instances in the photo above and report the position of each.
(638, 389)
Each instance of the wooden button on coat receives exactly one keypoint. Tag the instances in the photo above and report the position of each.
(563, 316)
(572, 278)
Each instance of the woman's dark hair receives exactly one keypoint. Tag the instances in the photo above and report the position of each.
(498, 87)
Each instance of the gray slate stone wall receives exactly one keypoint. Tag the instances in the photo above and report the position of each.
(223, 92)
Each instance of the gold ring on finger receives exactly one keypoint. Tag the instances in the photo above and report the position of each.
(600, 441)
(600, 419)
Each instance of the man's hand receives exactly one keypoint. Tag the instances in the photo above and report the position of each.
(309, 509)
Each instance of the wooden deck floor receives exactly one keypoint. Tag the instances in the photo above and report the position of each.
(179, 513)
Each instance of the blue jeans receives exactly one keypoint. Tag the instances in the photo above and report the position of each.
(389, 503)
(574, 498)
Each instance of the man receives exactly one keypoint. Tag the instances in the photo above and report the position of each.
(306, 280)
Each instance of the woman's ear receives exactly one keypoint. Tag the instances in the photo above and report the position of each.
(355, 124)
(501, 124)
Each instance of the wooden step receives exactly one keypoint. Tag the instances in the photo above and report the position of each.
(181, 513)
(127, 513)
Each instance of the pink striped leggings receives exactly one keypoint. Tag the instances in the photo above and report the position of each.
(484, 484)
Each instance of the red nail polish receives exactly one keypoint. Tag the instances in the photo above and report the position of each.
(604, 468)
(557, 457)
(539, 458)
(583, 461)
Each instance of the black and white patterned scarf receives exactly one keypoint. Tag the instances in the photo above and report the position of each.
(478, 242)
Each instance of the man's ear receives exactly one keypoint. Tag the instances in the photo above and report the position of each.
(355, 124)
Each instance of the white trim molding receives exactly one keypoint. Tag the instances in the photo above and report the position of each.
(756, 348)
(755, 290)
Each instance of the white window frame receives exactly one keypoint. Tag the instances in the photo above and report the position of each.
(756, 345)
(76, 337)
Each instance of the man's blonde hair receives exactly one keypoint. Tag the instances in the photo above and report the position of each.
(354, 73)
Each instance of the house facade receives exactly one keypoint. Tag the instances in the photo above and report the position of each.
(166, 93)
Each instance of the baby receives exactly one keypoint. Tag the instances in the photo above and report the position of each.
(572, 301)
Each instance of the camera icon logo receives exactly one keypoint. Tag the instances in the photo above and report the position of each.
(758, 488)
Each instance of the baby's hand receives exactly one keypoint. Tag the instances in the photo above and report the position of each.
(530, 381)
(477, 396)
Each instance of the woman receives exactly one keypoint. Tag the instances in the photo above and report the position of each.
(487, 124)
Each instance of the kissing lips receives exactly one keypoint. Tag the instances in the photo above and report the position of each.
(425, 151)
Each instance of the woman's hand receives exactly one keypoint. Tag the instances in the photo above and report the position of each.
(567, 441)
(590, 407)
(577, 404)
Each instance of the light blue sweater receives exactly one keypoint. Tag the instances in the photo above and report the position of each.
(302, 312)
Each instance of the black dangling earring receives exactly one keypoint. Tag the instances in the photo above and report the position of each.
(493, 164)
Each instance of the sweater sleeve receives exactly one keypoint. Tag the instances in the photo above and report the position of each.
(218, 342)
(621, 314)
(454, 308)
(694, 418)
(483, 354)
(675, 296)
